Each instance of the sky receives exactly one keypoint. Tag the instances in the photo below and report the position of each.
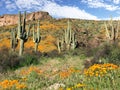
(79, 9)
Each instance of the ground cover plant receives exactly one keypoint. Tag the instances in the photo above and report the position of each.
(63, 74)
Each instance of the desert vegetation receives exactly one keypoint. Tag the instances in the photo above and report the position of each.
(60, 54)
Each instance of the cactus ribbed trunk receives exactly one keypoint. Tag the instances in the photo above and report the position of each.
(36, 36)
(68, 36)
(36, 47)
(21, 47)
(73, 41)
(58, 44)
(13, 40)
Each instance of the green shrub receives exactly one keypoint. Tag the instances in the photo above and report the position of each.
(108, 53)
(8, 60)
(28, 60)
(114, 55)
(11, 61)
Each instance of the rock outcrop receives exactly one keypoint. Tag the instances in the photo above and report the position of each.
(10, 19)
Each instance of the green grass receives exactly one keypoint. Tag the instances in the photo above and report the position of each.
(50, 79)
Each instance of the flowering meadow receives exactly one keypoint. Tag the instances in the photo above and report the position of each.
(62, 75)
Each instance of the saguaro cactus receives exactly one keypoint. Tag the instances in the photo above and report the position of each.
(22, 34)
(36, 36)
(112, 33)
(68, 36)
(14, 40)
(69, 40)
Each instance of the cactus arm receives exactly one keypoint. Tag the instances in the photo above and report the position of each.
(73, 41)
(112, 29)
(107, 32)
(13, 39)
(58, 46)
(24, 22)
(19, 26)
(112, 32)
(65, 36)
(34, 36)
(117, 30)
(70, 34)
(38, 32)
(62, 44)
(28, 32)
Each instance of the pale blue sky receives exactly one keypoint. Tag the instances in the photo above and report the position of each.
(81, 9)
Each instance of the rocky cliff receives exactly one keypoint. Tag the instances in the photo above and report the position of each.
(13, 19)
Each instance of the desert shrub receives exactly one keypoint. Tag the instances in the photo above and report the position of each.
(98, 55)
(8, 60)
(11, 61)
(109, 53)
(53, 54)
(28, 59)
(106, 53)
(113, 55)
(101, 51)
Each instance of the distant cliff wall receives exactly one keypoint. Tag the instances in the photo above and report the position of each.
(10, 19)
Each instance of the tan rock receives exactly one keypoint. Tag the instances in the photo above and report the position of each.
(8, 19)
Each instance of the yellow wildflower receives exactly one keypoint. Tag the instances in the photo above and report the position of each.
(79, 85)
(68, 88)
(20, 86)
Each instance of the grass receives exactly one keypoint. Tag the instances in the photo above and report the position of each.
(65, 73)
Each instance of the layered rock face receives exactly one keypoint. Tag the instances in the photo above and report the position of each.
(13, 19)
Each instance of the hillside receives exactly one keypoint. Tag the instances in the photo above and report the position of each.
(51, 29)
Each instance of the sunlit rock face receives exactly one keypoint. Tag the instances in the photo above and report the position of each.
(10, 19)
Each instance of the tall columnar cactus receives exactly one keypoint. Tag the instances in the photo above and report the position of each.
(68, 36)
(112, 33)
(68, 42)
(22, 34)
(36, 36)
(14, 41)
